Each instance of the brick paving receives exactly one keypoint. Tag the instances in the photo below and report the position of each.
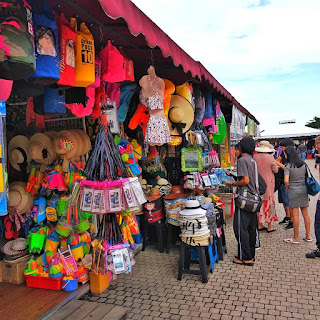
(283, 284)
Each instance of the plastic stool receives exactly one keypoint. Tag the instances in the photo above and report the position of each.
(159, 227)
(170, 228)
(185, 259)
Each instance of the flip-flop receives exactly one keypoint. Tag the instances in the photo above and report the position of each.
(8, 228)
(271, 230)
(253, 259)
(308, 240)
(250, 264)
(263, 229)
(289, 240)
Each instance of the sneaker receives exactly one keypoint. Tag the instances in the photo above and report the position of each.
(289, 226)
(285, 220)
(315, 254)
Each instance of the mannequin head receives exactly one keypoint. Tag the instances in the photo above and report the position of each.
(151, 70)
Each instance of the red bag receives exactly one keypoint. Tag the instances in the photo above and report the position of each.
(6, 86)
(67, 40)
(128, 67)
(97, 71)
(112, 64)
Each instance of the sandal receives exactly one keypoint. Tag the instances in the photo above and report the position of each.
(262, 229)
(269, 231)
(308, 240)
(243, 263)
(290, 240)
(8, 228)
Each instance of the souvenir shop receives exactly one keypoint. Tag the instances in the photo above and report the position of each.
(103, 139)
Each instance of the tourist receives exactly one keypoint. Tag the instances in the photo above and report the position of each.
(295, 182)
(267, 167)
(317, 157)
(244, 222)
(316, 253)
(283, 196)
(302, 151)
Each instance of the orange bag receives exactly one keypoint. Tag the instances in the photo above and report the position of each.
(85, 62)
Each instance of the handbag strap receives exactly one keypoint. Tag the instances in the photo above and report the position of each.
(309, 171)
(257, 178)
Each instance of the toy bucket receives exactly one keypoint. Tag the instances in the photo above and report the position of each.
(64, 228)
(77, 251)
(86, 248)
(64, 243)
(82, 226)
(98, 282)
(51, 244)
(36, 242)
(70, 285)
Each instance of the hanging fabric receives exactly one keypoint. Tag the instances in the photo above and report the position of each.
(46, 45)
(67, 42)
(97, 71)
(85, 66)
(17, 57)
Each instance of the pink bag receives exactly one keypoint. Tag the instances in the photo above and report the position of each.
(112, 64)
(97, 71)
(6, 86)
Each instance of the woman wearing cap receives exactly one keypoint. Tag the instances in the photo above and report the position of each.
(267, 167)
(295, 181)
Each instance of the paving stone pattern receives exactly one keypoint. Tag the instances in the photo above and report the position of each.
(283, 284)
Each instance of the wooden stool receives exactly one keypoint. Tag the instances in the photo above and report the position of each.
(185, 259)
(159, 226)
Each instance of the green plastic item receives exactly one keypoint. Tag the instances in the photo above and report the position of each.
(220, 135)
(36, 239)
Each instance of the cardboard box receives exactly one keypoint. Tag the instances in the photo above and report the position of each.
(12, 271)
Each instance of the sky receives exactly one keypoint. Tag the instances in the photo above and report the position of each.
(266, 53)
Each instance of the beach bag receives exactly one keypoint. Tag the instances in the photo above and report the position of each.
(6, 86)
(17, 57)
(112, 63)
(97, 71)
(247, 201)
(128, 67)
(46, 45)
(67, 43)
(312, 185)
(85, 67)
(51, 102)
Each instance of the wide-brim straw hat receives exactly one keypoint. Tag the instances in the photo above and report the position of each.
(65, 144)
(41, 150)
(18, 152)
(15, 247)
(18, 197)
(180, 114)
(177, 192)
(265, 146)
(85, 140)
(203, 240)
(154, 194)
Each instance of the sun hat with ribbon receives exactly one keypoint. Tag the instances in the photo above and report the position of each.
(180, 115)
(154, 194)
(18, 198)
(41, 150)
(265, 146)
(18, 153)
(177, 192)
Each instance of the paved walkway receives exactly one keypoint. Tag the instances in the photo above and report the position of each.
(283, 284)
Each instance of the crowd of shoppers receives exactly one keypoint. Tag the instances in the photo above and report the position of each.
(286, 173)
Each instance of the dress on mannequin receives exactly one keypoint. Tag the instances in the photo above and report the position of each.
(151, 95)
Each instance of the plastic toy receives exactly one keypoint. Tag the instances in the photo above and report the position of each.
(56, 269)
(64, 227)
(86, 240)
(67, 259)
(83, 274)
(52, 241)
(51, 214)
(40, 210)
(34, 181)
(127, 156)
(62, 206)
(82, 223)
(45, 258)
(32, 269)
(69, 283)
(56, 179)
(36, 239)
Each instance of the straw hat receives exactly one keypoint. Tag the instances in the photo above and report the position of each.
(180, 115)
(18, 197)
(15, 247)
(41, 150)
(65, 144)
(85, 140)
(177, 192)
(154, 194)
(18, 152)
(265, 146)
(193, 210)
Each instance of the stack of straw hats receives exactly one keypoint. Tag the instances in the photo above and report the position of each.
(194, 224)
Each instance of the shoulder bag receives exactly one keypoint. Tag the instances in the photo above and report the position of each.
(248, 201)
(312, 185)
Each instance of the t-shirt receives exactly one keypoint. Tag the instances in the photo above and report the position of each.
(302, 148)
(246, 167)
(297, 178)
(317, 158)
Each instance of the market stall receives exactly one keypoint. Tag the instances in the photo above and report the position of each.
(102, 141)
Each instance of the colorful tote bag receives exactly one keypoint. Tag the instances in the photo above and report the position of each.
(17, 57)
(85, 66)
(112, 64)
(46, 45)
(67, 43)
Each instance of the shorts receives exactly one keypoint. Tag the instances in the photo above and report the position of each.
(283, 195)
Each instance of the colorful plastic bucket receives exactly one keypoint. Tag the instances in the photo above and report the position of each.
(70, 285)
(82, 226)
(64, 229)
(77, 251)
(51, 244)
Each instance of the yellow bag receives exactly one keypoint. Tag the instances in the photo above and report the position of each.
(85, 55)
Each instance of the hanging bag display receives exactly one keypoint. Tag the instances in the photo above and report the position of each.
(112, 63)
(46, 44)
(67, 42)
(17, 57)
(51, 102)
(85, 66)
